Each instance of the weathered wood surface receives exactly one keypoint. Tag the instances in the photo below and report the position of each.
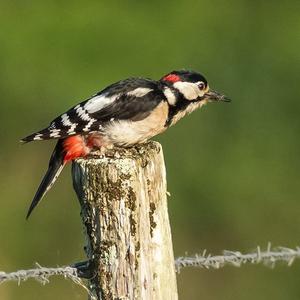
(124, 209)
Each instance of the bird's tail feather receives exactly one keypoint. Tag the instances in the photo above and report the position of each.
(56, 165)
(40, 136)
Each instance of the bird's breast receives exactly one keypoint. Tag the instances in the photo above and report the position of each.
(127, 132)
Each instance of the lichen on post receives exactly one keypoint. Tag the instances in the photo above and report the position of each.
(124, 210)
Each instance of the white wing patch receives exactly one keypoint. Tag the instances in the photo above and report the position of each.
(55, 133)
(72, 128)
(139, 92)
(38, 137)
(89, 124)
(66, 120)
(82, 114)
(99, 102)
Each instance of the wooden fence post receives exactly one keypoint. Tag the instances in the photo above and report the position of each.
(124, 210)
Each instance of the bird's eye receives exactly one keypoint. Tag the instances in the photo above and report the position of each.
(201, 86)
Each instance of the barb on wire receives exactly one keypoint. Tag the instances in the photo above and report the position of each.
(236, 258)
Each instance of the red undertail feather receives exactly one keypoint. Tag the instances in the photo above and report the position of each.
(74, 147)
(64, 151)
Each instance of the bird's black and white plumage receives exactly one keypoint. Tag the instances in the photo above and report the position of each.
(130, 99)
(125, 113)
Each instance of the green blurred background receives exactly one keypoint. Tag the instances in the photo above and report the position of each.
(233, 169)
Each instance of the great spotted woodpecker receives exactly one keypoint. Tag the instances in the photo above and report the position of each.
(125, 113)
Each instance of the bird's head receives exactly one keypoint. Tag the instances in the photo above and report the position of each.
(192, 86)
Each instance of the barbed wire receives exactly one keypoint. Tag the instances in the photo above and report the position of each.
(236, 258)
(207, 261)
(42, 275)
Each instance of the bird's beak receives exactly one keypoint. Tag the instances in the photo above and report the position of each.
(215, 96)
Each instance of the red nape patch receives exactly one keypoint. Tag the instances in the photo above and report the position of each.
(74, 147)
(172, 78)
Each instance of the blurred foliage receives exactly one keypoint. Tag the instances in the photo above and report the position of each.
(233, 169)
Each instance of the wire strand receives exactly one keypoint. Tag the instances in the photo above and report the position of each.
(268, 257)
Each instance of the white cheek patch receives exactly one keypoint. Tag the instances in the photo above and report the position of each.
(139, 92)
(189, 90)
(99, 102)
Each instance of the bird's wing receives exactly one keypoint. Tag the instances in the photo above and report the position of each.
(131, 99)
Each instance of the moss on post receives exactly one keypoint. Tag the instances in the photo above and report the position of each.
(124, 210)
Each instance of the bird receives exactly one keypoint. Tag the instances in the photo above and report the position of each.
(123, 114)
